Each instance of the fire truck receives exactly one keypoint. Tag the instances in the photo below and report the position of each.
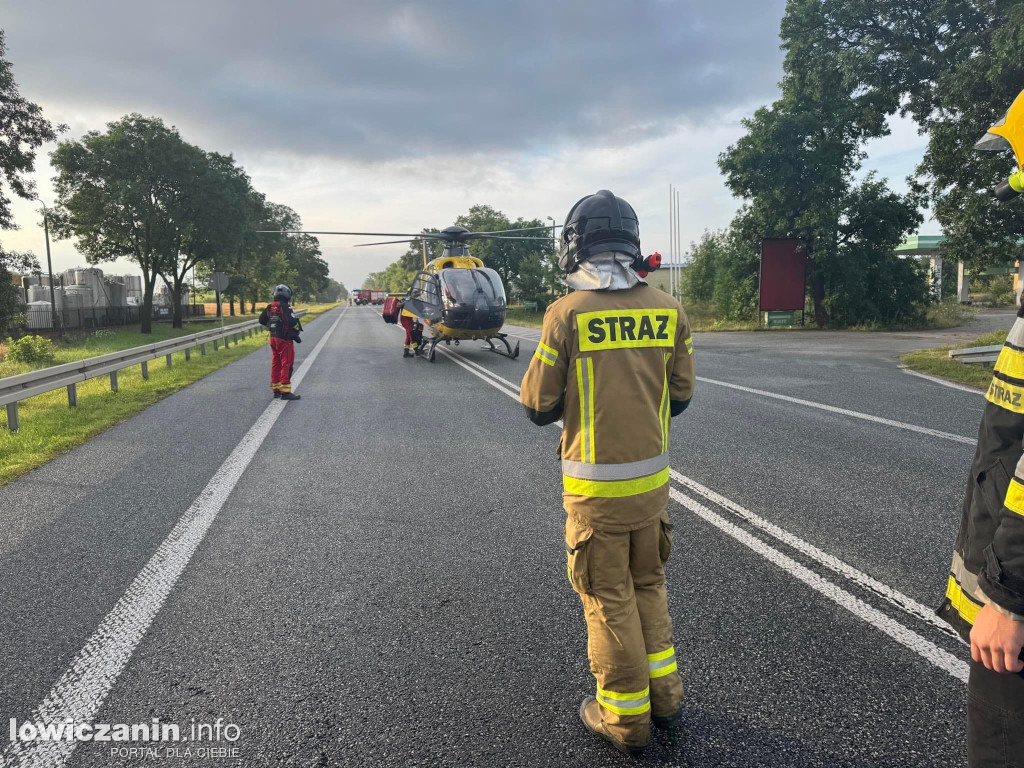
(369, 296)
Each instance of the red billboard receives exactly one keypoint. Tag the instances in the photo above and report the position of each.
(783, 268)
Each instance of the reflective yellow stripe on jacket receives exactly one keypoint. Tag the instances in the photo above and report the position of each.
(615, 480)
(546, 354)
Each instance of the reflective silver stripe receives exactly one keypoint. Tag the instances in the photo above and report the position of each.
(968, 581)
(665, 408)
(545, 355)
(585, 383)
(653, 665)
(624, 703)
(626, 471)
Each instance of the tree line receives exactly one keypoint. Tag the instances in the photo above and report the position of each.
(954, 66)
(139, 191)
(528, 268)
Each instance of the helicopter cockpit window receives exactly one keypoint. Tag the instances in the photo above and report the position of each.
(462, 285)
(424, 288)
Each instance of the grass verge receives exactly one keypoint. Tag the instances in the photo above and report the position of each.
(49, 427)
(937, 362)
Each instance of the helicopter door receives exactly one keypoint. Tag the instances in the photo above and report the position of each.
(424, 299)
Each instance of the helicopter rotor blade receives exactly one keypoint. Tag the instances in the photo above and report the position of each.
(504, 231)
(505, 237)
(386, 242)
(417, 235)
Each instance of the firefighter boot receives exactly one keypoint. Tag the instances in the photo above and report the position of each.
(406, 352)
(590, 714)
(290, 396)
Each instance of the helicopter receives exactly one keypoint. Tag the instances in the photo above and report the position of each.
(454, 295)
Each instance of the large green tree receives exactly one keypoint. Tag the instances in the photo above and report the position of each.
(23, 129)
(117, 195)
(796, 167)
(954, 66)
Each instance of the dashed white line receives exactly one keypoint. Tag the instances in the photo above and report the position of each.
(844, 412)
(84, 686)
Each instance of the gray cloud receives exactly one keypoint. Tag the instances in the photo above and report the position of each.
(369, 81)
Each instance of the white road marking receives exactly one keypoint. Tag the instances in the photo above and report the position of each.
(889, 626)
(844, 412)
(926, 649)
(897, 598)
(943, 382)
(82, 689)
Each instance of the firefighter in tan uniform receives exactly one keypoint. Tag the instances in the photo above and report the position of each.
(615, 363)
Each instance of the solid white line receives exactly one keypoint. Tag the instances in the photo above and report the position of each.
(897, 598)
(83, 687)
(889, 626)
(845, 412)
(465, 364)
(943, 382)
(893, 596)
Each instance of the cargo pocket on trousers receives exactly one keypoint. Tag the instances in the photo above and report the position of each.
(665, 538)
(577, 551)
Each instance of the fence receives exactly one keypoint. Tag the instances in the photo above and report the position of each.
(43, 319)
(14, 389)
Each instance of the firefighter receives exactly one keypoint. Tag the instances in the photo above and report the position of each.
(615, 362)
(413, 332)
(985, 589)
(284, 328)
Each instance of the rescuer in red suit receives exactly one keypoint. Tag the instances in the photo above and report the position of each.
(284, 329)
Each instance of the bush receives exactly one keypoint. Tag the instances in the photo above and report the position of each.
(30, 349)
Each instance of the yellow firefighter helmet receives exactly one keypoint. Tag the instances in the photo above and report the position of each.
(1008, 133)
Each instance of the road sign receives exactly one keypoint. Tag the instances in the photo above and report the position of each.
(218, 282)
(779, 319)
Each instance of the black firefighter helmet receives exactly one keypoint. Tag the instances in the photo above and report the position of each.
(597, 224)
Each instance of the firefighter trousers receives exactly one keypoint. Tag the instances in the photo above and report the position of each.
(282, 358)
(620, 577)
(995, 719)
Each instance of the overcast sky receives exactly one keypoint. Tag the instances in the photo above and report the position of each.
(389, 116)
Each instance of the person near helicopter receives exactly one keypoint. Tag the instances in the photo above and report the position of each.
(284, 328)
(615, 363)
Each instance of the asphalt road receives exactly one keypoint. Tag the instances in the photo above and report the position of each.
(375, 575)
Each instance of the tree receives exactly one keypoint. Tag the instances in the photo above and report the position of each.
(116, 194)
(23, 129)
(332, 292)
(704, 257)
(955, 66)
(796, 164)
(12, 261)
(213, 212)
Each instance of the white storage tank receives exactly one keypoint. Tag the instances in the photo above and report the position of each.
(78, 297)
(38, 293)
(38, 315)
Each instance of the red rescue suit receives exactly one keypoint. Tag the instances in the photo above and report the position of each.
(283, 325)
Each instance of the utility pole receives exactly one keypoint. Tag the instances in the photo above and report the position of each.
(49, 267)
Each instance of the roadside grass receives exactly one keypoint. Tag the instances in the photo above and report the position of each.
(49, 427)
(105, 340)
(937, 362)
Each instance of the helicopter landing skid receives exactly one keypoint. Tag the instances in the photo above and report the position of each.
(510, 353)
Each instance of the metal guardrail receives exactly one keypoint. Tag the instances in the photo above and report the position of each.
(977, 354)
(14, 389)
